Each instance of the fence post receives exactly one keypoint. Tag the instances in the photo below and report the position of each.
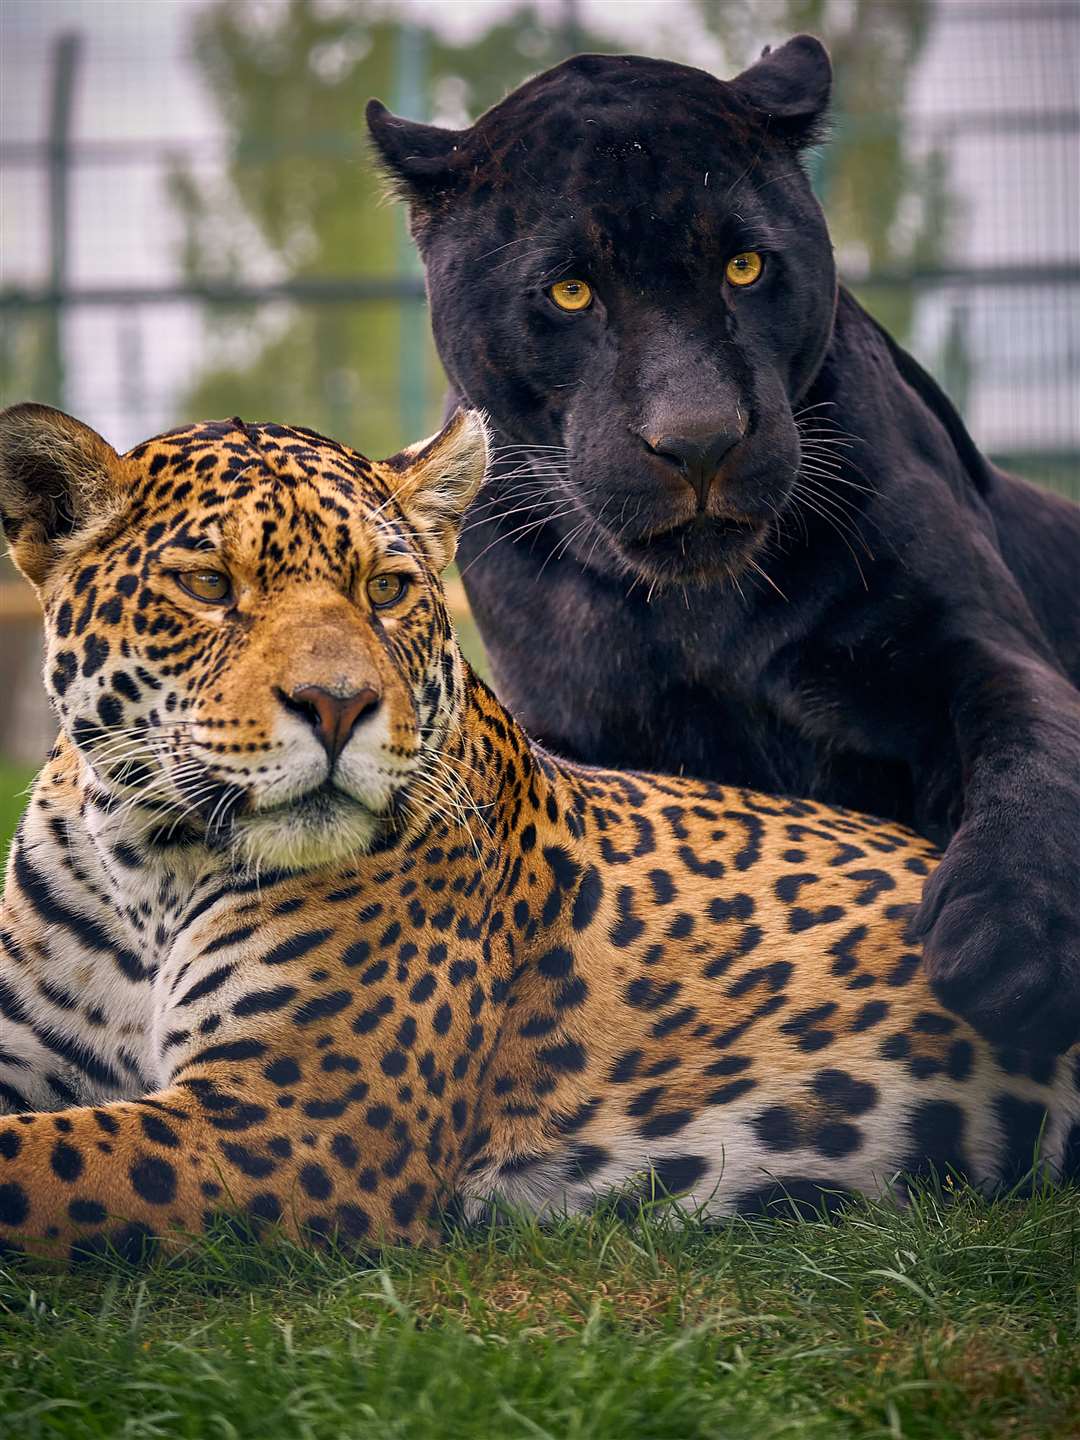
(409, 87)
(65, 59)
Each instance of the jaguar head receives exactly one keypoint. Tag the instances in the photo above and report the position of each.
(247, 641)
(628, 269)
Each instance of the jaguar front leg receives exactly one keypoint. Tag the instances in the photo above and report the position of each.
(1000, 917)
(215, 1142)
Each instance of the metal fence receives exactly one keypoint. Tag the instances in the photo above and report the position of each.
(106, 309)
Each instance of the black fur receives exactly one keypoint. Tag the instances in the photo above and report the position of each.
(861, 608)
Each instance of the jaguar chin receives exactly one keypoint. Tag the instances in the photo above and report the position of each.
(323, 827)
(700, 551)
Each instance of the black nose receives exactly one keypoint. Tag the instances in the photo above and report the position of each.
(332, 717)
(696, 456)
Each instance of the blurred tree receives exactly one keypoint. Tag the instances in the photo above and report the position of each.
(887, 203)
(300, 199)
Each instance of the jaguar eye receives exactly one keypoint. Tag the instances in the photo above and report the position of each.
(211, 586)
(744, 268)
(572, 295)
(384, 590)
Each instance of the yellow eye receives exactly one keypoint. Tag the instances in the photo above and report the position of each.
(744, 268)
(209, 585)
(571, 295)
(384, 590)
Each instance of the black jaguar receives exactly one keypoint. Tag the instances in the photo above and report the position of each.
(735, 530)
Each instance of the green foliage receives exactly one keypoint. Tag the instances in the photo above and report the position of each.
(934, 1323)
(23, 350)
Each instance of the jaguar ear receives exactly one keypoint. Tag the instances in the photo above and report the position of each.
(437, 480)
(422, 160)
(792, 85)
(56, 476)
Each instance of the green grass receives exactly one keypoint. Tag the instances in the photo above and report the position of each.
(941, 1321)
(14, 780)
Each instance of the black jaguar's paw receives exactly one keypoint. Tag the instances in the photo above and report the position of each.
(1000, 922)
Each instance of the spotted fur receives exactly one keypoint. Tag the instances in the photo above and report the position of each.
(238, 975)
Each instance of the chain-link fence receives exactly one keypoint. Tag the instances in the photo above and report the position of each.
(192, 225)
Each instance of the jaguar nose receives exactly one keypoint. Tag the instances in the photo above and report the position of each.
(696, 457)
(332, 717)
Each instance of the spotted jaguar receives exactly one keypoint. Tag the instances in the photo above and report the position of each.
(300, 926)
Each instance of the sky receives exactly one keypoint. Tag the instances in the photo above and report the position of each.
(1014, 197)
